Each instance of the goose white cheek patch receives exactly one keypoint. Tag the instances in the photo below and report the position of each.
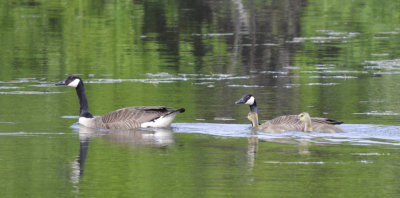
(250, 101)
(74, 83)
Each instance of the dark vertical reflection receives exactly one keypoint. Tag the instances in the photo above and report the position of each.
(83, 152)
(135, 138)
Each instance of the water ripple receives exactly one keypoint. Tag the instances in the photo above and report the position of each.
(164, 77)
(356, 134)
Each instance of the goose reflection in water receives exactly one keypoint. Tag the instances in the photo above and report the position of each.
(133, 138)
(254, 141)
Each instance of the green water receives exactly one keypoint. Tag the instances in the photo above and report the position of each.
(339, 59)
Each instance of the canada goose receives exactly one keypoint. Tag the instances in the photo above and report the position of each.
(286, 122)
(317, 127)
(125, 118)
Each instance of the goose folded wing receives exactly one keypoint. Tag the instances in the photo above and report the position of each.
(290, 122)
(138, 114)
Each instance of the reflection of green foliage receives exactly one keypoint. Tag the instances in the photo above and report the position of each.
(122, 39)
(345, 35)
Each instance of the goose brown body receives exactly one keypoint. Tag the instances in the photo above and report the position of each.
(281, 123)
(132, 117)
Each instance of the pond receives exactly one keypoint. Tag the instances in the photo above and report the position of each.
(336, 59)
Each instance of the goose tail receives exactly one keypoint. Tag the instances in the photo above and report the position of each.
(334, 122)
(181, 110)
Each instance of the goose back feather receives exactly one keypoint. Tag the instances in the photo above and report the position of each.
(310, 125)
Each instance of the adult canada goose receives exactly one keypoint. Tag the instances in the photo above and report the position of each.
(286, 122)
(125, 118)
(317, 127)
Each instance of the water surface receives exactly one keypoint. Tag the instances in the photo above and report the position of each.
(333, 59)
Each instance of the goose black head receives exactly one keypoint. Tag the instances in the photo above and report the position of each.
(246, 99)
(71, 81)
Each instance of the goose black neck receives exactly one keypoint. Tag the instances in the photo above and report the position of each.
(253, 107)
(84, 106)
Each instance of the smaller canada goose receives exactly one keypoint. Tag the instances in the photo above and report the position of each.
(267, 126)
(287, 122)
(125, 118)
(317, 127)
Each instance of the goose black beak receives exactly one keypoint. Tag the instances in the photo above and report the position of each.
(61, 83)
(240, 101)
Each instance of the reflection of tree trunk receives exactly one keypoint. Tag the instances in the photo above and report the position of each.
(241, 16)
(241, 26)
